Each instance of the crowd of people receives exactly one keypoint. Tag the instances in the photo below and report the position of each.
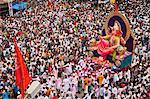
(54, 39)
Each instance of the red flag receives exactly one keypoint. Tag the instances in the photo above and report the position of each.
(21, 72)
(116, 7)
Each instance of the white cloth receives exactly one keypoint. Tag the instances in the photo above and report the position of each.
(128, 73)
(116, 78)
(66, 84)
(58, 83)
(101, 91)
(114, 91)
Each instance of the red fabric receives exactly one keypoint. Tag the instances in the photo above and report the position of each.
(148, 93)
(54, 97)
(119, 33)
(49, 3)
(50, 69)
(80, 37)
(75, 23)
(19, 33)
(102, 45)
(122, 85)
(21, 72)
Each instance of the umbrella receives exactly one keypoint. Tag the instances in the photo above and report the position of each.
(19, 6)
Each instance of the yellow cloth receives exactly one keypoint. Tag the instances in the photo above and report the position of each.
(100, 78)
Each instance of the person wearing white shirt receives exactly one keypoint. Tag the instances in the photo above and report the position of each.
(69, 69)
(58, 83)
(46, 97)
(66, 84)
(106, 80)
(69, 94)
(120, 75)
(74, 90)
(107, 94)
(102, 91)
(114, 91)
(86, 90)
(42, 69)
(87, 96)
(97, 90)
(128, 73)
(115, 78)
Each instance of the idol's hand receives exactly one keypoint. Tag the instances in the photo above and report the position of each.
(110, 27)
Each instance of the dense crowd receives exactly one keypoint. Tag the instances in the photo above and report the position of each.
(54, 39)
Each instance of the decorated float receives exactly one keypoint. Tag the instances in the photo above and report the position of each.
(115, 45)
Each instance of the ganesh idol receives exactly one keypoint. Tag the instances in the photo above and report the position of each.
(111, 44)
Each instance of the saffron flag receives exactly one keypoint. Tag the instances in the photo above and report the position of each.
(115, 4)
(21, 72)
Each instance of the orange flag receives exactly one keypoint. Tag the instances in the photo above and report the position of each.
(21, 72)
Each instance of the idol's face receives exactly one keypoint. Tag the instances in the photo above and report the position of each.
(116, 26)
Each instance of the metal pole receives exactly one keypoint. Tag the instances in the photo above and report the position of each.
(10, 7)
